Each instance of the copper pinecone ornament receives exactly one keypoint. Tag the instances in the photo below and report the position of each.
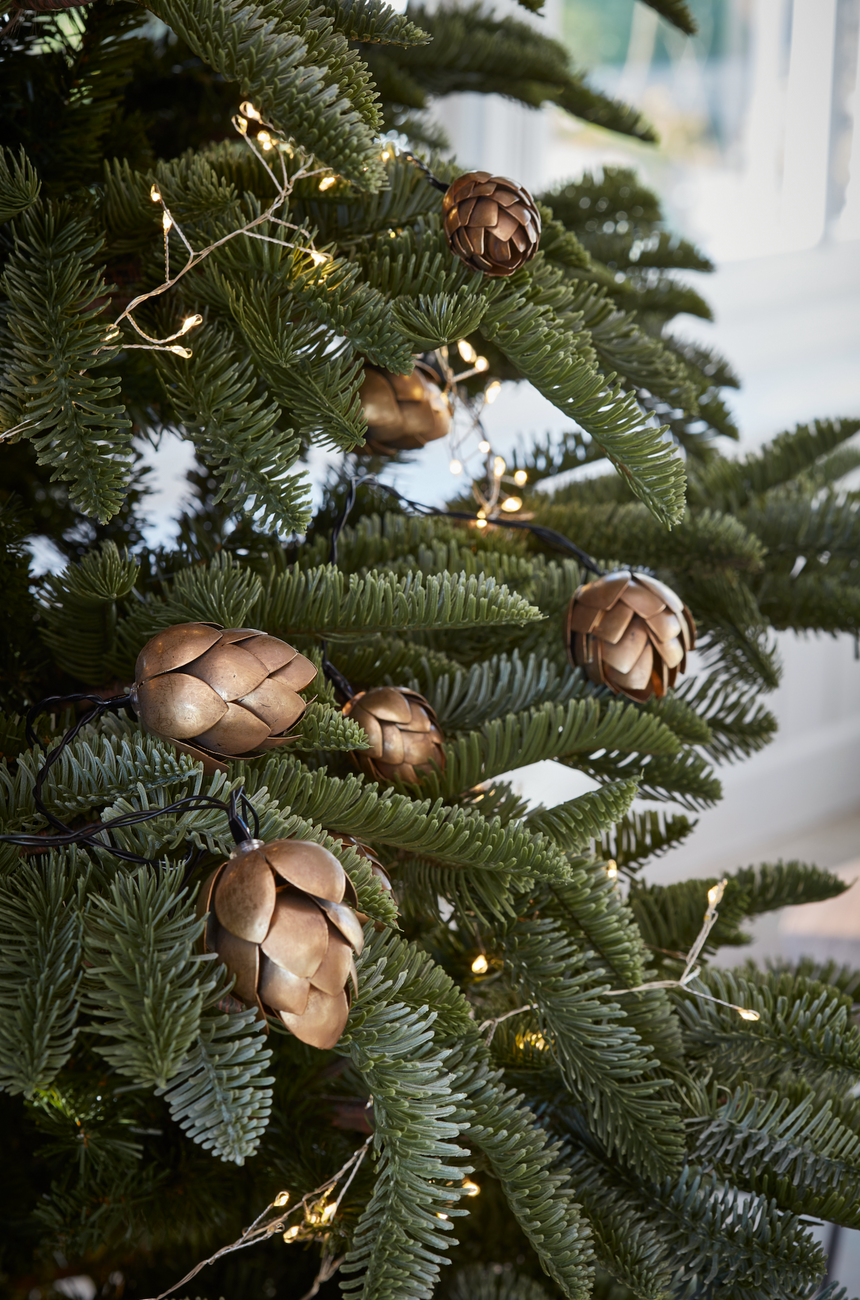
(629, 632)
(491, 223)
(279, 923)
(376, 869)
(403, 731)
(403, 412)
(218, 692)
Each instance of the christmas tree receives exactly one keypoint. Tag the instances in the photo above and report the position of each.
(542, 1084)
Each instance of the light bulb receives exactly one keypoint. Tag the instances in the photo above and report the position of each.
(265, 140)
(715, 893)
(155, 194)
(521, 477)
(166, 220)
(480, 965)
(499, 466)
(746, 1014)
(249, 110)
(178, 351)
(484, 446)
(327, 182)
(467, 352)
(190, 322)
(612, 869)
(241, 125)
(470, 1188)
(480, 523)
(441, 1216)
(328, 1213)
(318, 258)
(481, 363)
(113, 332)
(282, 1198)
(291, 1233)
(492, 392)
(511, 504)
(456, 466)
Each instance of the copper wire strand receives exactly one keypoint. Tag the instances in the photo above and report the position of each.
(691, 970)
(262, 1231)
(284, 189)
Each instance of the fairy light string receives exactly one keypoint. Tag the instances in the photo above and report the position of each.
(691, 970)
(267, 138)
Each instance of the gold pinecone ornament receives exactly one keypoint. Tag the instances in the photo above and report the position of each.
(219, 693)
(491, 223)
(405, 739)
(403, 412)
(281, 920)
(629, 632)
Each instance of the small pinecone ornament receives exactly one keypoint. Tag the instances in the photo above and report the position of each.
(403, 731)
(629, 632)
(403, 412)
(376, 868)
(218, 692)
(491, 223)
(279, 923)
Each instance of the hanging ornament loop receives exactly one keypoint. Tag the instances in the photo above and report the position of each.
(422, 167)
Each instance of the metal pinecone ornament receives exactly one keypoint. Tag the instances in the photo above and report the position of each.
(403, 412)
(376, 868)
(218, 692)
(405, 738)
(491, 223)
(629, 632)
(279, 923)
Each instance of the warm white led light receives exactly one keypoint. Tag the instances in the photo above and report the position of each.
(456, 466)
(480, 965)
(467, 352)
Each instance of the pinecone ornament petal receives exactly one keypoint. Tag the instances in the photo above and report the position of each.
(220, 692)
(289, 949)
(631, 633)
(405, 738)
(491, 223)
(403, 412)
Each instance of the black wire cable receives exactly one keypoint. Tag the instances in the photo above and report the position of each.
(238, 823)
(101, 706)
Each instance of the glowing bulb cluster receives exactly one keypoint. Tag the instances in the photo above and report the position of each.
(265, 141)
